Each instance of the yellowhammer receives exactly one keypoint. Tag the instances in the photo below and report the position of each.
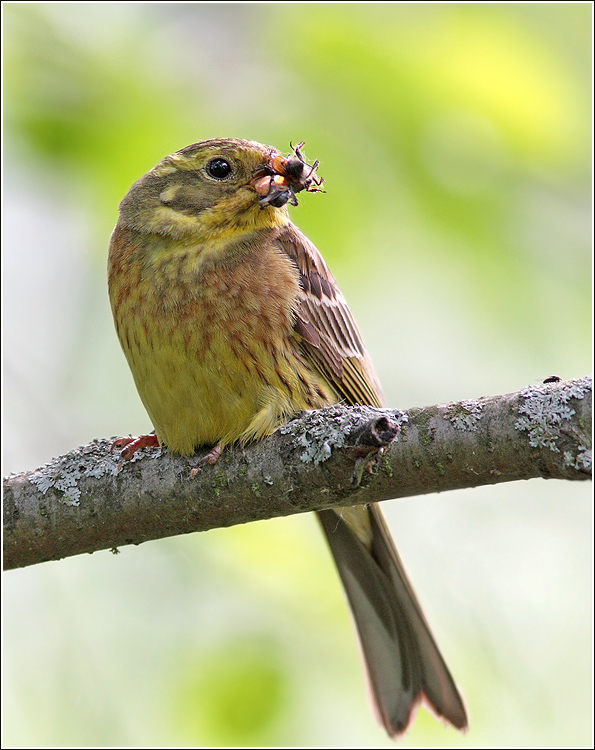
(231, 323)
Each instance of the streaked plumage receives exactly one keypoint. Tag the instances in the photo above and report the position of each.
(231, 323)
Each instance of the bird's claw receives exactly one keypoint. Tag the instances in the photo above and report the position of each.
(130, 445)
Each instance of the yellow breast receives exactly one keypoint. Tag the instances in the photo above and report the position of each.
(208, 334)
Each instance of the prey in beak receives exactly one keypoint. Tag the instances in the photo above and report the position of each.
(278, 182)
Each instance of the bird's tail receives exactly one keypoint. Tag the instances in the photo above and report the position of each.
(403, 661)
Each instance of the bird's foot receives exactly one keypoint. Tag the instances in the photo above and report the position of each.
(131, 445)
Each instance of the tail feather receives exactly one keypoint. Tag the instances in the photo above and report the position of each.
(403, 661)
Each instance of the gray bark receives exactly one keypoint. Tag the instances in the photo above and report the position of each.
(89, 499)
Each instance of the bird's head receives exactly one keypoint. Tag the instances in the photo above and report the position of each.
(218, 188)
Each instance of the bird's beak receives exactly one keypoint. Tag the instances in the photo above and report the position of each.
(273, 190)
(277, 181)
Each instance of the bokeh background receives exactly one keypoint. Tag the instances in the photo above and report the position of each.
(455, 144)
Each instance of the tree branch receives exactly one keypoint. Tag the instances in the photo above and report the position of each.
(89, 499)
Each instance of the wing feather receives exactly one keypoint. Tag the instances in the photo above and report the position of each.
(324, 325)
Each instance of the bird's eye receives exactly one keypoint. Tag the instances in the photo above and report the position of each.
(219, 169)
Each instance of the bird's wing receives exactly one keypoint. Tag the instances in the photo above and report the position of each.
(325, 327)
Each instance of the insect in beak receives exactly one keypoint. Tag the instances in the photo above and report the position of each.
(278, 182)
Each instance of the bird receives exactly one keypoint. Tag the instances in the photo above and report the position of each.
(232, 323)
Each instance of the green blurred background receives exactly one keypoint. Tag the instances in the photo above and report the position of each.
(455, 144)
